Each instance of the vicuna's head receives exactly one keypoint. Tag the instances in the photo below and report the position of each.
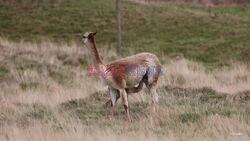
(88, 38)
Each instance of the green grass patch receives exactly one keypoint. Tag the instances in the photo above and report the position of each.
(3, 71)
(189, 117)
(28, 85)
(39, 112)
(215, 36)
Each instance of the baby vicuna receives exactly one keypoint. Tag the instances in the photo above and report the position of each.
(123, 75)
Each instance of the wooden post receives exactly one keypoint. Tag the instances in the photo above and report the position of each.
(118, 26)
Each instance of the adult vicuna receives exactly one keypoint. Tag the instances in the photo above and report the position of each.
(124, 74)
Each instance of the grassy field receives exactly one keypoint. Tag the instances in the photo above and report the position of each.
(45, 94)
(215, 36)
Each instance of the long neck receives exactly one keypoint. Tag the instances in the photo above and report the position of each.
(93, 52)
(100, 67)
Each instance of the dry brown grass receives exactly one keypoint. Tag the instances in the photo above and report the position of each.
(45, 96)
(187, 74)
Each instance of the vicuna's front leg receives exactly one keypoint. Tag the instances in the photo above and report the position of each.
(114, 96)
(125, 103)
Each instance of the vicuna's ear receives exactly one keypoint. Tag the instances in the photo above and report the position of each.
(94, 33)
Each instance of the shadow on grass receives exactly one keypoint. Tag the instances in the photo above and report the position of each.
(197, 103)
(93, 108)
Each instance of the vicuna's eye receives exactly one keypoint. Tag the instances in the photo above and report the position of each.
(84, 37)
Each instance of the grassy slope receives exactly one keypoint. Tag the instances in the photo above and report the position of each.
(190, 114)
(166, 29)
(29, 99)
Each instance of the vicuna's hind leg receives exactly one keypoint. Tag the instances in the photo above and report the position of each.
(155, 98)
(151, 84)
